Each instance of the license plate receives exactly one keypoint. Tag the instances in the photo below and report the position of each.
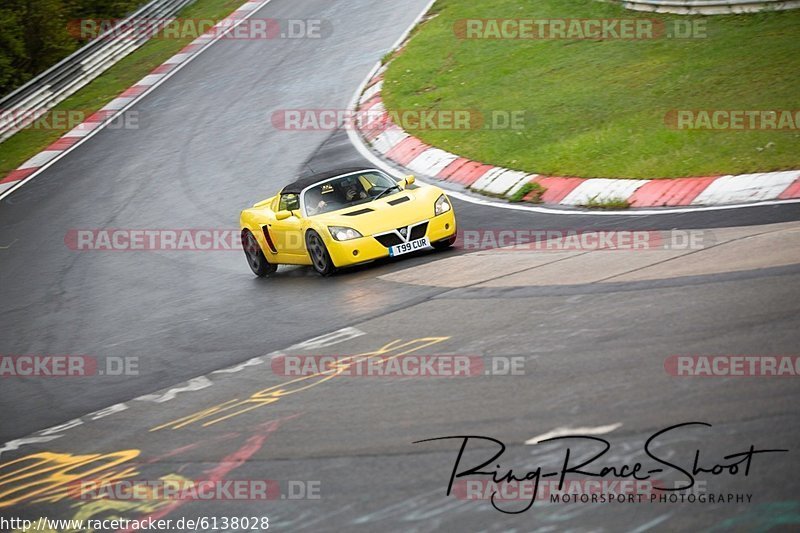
(411, 246)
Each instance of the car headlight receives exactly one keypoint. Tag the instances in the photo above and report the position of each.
(442, 205)
(341, 233)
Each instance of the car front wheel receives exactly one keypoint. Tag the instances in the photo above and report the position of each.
(320, 258)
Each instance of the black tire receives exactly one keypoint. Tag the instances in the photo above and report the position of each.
(445, 244)
(320, 258)
(255, 256)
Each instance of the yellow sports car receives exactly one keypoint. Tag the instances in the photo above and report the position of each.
(345, 217)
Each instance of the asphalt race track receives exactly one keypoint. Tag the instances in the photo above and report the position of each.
(206, 149)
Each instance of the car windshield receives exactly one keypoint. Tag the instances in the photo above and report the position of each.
(346, 191)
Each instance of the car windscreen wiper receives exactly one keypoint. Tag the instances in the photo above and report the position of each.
(387, 190)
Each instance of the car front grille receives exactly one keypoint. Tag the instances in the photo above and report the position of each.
(388, 240)
(418, 232)
(393, 239)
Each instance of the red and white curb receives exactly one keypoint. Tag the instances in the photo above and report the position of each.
(99, 120)
(407, 151)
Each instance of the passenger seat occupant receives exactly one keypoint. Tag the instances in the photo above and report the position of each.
(314, 202)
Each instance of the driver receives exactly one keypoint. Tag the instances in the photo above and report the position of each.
(352, 190)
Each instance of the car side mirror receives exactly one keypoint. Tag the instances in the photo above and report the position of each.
(409, 180)
(283, 215)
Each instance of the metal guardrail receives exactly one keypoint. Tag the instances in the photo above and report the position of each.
(710, 7)
(85, 64)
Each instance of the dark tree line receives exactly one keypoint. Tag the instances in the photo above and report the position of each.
(34, 34)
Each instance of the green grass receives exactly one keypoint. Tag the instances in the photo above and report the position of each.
(28, 142)
(533, 189)
(610, 203)
(596, 108)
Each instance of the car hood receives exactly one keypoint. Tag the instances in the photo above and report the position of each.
(385, 214)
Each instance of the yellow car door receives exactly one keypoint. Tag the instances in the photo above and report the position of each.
(286, 231)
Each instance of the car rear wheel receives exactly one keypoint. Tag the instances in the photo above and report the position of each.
(255, 257)
(320, 258)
